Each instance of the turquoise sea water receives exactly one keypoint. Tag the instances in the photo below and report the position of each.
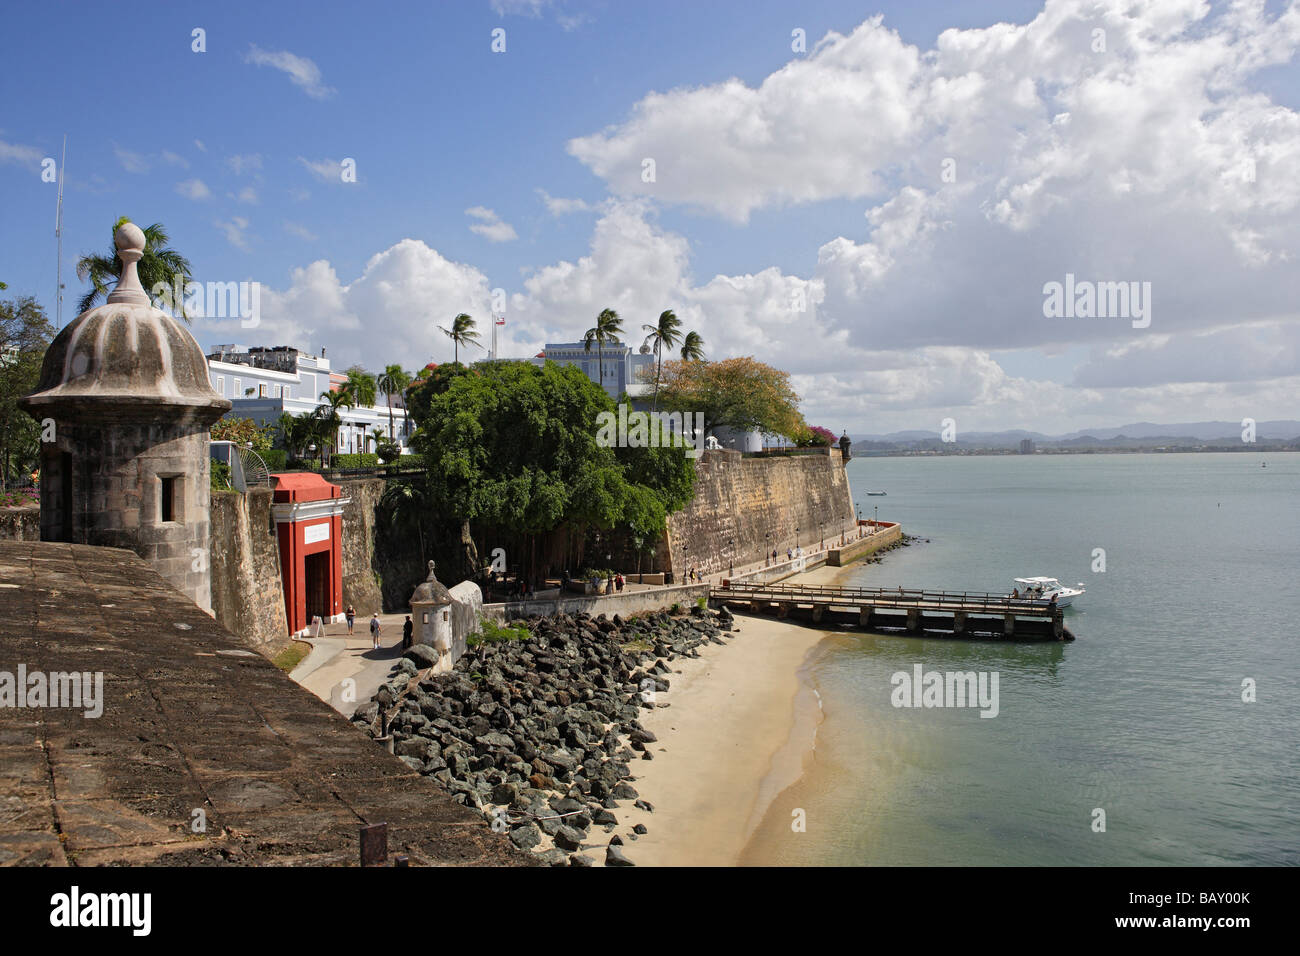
(1141, 717)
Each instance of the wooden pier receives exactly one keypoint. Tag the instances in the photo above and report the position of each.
(961, 614)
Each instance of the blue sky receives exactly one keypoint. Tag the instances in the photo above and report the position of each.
(812, 172)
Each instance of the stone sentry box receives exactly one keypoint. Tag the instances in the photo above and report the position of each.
(126, 388)
(444, 619)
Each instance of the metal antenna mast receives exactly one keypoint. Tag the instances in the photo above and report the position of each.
(58, 234)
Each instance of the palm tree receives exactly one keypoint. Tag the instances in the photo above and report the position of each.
(158, 265)
(361, 386)
(606, 331)
(692, 348)
(377, 436)
(462, 331)
(393, 381)
(665, 335)
(288, 427)
(329, 417)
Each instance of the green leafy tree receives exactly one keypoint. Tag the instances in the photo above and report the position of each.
(431, 383)
(243, 432)
(606, 331)
(25, 334)
(513, 446)
(462, 332)
(160, 264)
(663, 335)
(692, 348)
(392, 381)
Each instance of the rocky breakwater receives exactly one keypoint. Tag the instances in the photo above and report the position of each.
(540, 734)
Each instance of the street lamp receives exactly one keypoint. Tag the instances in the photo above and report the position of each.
(731, 557)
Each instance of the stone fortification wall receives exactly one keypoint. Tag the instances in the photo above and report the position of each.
(20, 524)
(361, 579)
(247, 592)
(629, 602)
(745, 507)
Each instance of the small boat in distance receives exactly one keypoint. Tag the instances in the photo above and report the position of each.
(1040, 591)
(876, 494)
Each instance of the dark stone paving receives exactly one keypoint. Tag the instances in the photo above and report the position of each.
(191, 721)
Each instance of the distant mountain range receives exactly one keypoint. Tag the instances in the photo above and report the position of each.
(1137, 435)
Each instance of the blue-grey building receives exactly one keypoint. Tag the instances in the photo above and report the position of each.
(623, 367)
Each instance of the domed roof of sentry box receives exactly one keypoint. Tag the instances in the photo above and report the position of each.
(431, 591)
(126, 356)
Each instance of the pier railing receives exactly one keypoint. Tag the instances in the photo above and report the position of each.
(969, 601)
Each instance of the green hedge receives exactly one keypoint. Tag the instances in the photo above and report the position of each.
(355, 461)
(275, 458)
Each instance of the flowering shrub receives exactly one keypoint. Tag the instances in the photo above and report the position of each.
(21, 498)
(818, 437)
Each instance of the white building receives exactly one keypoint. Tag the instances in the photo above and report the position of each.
(263, 383)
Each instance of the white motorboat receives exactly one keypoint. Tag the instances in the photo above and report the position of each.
(1041, 590)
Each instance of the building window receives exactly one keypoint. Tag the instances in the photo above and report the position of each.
(235, 392)
(221, 385)
(170, 489)
(261, 390)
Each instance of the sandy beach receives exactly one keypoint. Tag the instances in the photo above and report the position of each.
(740, 726)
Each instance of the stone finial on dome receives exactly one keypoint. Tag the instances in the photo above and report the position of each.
(130, 241)
(431, 591)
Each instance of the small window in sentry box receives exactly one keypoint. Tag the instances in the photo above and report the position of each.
(170, 488)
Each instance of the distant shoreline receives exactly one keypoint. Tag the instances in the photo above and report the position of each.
(961, 452)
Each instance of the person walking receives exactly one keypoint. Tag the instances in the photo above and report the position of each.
(408, 634)
(375, 628)
(352, 618)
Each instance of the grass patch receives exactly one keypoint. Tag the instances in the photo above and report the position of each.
(291, 656)
(640, 644)
(490, 632)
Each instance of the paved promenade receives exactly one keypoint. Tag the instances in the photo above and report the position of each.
(336, 658)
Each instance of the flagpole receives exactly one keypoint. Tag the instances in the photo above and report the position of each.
(496, 320)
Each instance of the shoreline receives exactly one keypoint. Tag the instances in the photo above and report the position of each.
(741, 729)
(722, 735)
